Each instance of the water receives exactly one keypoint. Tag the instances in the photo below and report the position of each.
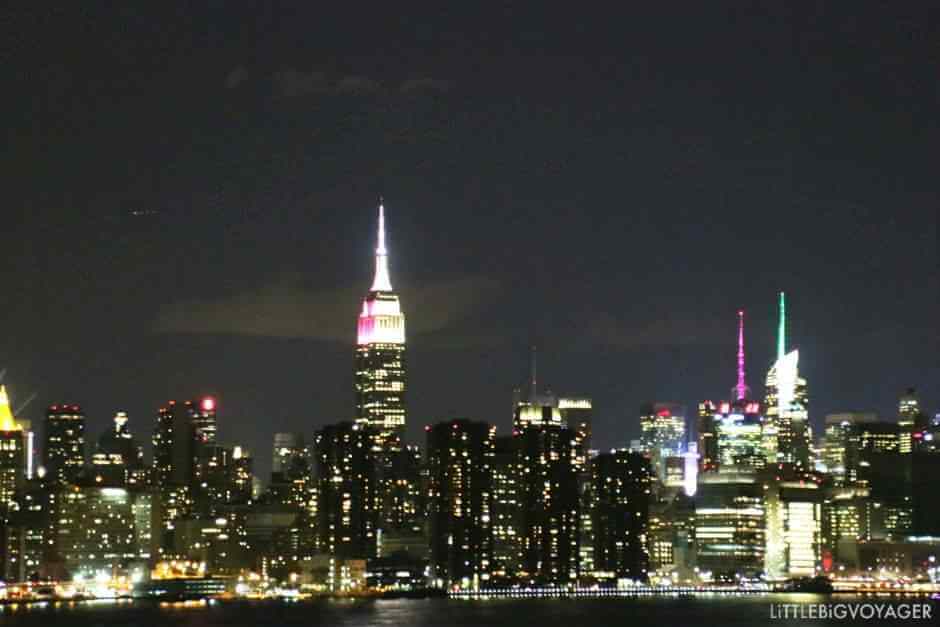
(641, 612)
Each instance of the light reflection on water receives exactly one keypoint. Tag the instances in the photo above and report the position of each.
(643, 612)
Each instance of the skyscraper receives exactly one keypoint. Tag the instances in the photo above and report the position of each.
(460, 461)
(64, 450)
(662, 431)
(174, 447)
(119, 459)
(289, 452)
(730, 524)
(787, 435)
(380, 355)
(346, 485)
(507, 511)
(12, 454)
(622, 487)
(550, 503)
(908, 414)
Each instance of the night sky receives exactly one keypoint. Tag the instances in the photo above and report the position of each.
(189, 201)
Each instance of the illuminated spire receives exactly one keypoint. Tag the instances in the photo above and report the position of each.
(7, 422)
(782, 329)
(381, 283)
(741, 389)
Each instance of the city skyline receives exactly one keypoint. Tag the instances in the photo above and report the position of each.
(182, 225)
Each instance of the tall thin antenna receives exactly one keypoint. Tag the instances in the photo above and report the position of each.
(533, 392)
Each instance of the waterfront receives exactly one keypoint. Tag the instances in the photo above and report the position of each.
(674, 612)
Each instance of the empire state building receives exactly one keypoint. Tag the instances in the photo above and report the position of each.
(380, 355)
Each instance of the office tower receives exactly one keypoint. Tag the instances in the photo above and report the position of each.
(662, 433)
(787, 432)
(739, 435)
(380, 355)
(13, 455)
(291, 485)
(460, 464)
(289, 452)
(840, 438)
(403, 501)
(874, 461)
(222, 476)
(507, 510)
(671, 537)
(64, 450)
(577, 414)
(730, 524)
(174, 445)
(925, 504)
(29, 535)
(550, 504)
(707, 430)
(793, 510)
(205, 422)
(182, 433)
(532, 396)
(846, 515)
(528, 415)
(622, 488)
(118, 459)
(104, 530)
(346, 484)
(910, 420)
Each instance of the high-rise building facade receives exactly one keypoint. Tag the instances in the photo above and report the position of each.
(460, 507)
(730, 524)
(739, 435)
(183, 432)
(662, 433)
(840, 440)
(64, 446)
(909, 419)
(118, 459)
(507, 509)
(13, 455)
(787, 433)
(345, 472)
(550, 501)
(380, 355)
(289, 452)
(622, 493)
(707, 433)
(174, 445)
(104, 529)
(793, 509)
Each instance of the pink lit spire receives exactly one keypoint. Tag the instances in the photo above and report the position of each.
(741, 388)
(382, 283)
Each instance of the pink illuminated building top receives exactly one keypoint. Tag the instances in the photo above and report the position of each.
(381, 320)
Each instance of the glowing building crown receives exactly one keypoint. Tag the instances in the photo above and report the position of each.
(7, 421)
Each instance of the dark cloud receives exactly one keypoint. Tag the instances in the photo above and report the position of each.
(292, 83)
(236, 77)
(357, 85)
(606, 329)
(425, 84)
(286, 309)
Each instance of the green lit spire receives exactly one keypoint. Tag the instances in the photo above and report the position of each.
(782, 328)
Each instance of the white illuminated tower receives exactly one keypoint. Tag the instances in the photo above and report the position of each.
(380, 355)
(786, 432)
